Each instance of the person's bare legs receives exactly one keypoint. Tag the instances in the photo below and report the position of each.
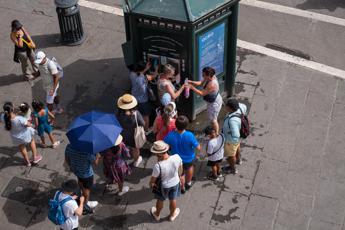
(43, 140)
(147, 122)
(159, 207)
(215, 125)
(189, 174)
(218, 169)
(24, 152)
(215, 170)
(182, 182)
(232, 161)
(238, 154)
(33, 148)
(172, 207)
(85, 192)
(135, 153)
(120, 185)
(51, 138)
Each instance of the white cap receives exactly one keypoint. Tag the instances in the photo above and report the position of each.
(39, 57)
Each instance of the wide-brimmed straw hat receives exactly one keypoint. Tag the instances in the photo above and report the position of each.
(126, 102)
(118, 140)
(159, 147)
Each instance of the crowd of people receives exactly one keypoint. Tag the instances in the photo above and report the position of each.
(156, 110)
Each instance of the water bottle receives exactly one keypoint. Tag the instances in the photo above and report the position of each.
(186, 90)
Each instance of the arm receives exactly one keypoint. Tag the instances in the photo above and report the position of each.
(17, 39)
(50, 115)
(29, 37)
(203, 92)
(79, 210)
(173, 94)
(56, 82)
(152, 181)
(196, 83)
(98, 158)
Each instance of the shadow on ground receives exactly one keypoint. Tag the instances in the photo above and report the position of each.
(330, 5)
(46, 40)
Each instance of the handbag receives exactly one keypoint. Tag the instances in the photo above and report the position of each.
(139, 134)
(157, 188)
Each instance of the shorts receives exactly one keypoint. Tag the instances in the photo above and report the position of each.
(44, 128)
(170, 193)
(230, 149)
(50, 98)
(145, 108)
(187, 166)
(213, 163)
(214, 108)
(86, 182)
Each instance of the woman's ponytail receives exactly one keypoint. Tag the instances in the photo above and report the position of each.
(8, 109)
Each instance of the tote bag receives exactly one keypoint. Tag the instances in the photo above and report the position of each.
(139, 134)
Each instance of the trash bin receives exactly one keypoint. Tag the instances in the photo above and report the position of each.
(188, 34)
(70, 23)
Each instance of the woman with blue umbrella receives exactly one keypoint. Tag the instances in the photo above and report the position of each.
(89, 134)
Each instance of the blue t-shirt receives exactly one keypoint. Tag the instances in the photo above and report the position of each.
(182, 144)
(80, 162)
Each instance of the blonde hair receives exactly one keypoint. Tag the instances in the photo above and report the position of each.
(168, 69)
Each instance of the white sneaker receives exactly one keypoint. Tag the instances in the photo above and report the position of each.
(152, 212)
(56, 144)
(92, 204)
(125, 189)
(176, 213)
(137, 162)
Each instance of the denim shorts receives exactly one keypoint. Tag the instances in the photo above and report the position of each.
(170, 193)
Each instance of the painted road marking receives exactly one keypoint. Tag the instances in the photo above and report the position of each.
(101, 7)
(292, 59)
(294, 11)
(251, 46)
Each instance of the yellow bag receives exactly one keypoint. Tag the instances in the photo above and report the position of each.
(29, 44)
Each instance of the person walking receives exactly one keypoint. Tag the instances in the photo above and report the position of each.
(80, 164)
(21, 132)
(71, 210)
(183, 143)
(165, 123)
(210, 94)
(140, 91)
(42, 116)
(231, 131)
(24, 50)
(165, 87)
(168, 169)
(51, 78)
(115, 168)
(128, 118)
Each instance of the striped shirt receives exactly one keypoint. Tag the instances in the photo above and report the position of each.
(80, 162)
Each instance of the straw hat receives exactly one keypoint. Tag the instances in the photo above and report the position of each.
(127, 102)
(159, 147)
(118, 140)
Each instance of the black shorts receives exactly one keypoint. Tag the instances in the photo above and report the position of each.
(86, 182)
(187, 166)
(145, 108)
(213, 163)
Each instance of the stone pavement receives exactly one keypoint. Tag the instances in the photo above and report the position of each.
(293, 173)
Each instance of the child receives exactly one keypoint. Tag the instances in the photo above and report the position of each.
(42, 125)
(25, 111)
(214, 151)
(165, 123)
(115, 168)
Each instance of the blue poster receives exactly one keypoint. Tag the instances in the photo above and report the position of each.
(211, 49)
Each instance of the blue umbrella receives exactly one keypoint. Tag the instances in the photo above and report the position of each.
(93, 132)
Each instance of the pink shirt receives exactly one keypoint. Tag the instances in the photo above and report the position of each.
(161, 130)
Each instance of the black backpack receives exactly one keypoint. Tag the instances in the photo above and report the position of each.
(245, 127)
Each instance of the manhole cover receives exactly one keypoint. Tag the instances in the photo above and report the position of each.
(21, 190)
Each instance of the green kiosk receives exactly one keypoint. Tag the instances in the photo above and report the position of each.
(188, 34)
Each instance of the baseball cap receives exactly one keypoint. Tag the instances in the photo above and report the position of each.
(39, 57)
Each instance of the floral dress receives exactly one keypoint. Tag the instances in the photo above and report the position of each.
(115, 168)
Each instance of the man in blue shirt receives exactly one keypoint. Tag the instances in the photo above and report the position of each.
(183, 143)
(80, 164)
(231, 131)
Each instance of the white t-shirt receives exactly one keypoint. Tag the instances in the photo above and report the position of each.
(68, 209)
(216, 144)
(169, 167)
(47, 70)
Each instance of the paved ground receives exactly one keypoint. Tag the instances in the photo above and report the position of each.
(293, 173)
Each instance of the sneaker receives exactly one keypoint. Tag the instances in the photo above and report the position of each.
(230, 170)
(56, 144)
(153, 214)
(183, 191)
(125, 189)
(239, 162)
(176, 213)
(220, 175)
(188, 185)
(137, 162)
(212, 177)
(37, 159)
(92, 204)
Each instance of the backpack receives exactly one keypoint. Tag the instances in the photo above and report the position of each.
(58, 66)
(245, 125)
(55, 212)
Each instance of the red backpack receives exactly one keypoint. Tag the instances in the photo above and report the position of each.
(245, 127)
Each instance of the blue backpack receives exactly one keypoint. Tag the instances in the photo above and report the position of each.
(55, 213)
